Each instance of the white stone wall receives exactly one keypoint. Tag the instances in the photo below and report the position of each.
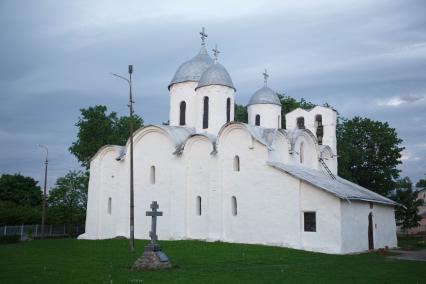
(270, 115)
(329, 121)
(218, 96)
(270, 203)
(183, 92)
(327, 237)
(355, 226)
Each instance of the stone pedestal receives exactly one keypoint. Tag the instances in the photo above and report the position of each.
(152, 259)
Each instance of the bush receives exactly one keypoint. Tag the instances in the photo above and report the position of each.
(13, 214)
(9, 239)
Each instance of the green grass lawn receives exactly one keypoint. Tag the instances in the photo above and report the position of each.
(109, 261)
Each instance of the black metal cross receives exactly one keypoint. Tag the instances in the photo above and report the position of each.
(216, 53)
(154, 214)
(203, 36)
(265, 77)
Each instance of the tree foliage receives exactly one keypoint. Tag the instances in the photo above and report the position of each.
(240, 113)
(68, 199)
(421, 183)
(97, 128)
(20, 190)
(407, 216)
(369, 153)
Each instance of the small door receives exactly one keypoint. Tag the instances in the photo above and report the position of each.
(370, 232)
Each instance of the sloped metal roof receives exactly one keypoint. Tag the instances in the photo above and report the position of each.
(339, 187)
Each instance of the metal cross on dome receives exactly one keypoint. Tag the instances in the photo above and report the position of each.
(203, 36)
(265, 76)
(216, 53)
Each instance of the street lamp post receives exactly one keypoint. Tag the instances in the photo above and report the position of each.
(43, 214)
(132, 205)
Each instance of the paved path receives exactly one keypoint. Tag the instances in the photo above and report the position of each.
(419, 255)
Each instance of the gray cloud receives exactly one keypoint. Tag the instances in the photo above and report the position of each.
(365, 58)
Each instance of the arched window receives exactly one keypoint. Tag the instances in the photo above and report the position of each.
(182, 114)
(234, 205)
(152, 175)
(279, 121)
(109, 210)
(301, 122)
(228, 109)
(301, 153)
(198, 205)
(257, 120)
(236, 163)
(320, 128)
(206, 113)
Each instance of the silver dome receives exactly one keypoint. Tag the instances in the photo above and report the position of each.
(265, 95)
(192, 69)
(216, 74)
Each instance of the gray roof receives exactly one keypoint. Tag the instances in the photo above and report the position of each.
(216, 74)
(264, 135)
(178, 134)
(192, 69)
(265, 95)
(339, 187)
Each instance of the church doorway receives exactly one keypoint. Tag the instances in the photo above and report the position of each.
(370, 232)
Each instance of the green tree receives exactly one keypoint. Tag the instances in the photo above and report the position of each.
(407, 216)
(67, 201)
(421, 183)
(20, 190)
(241, 113)
(97, 128)
(369, 153)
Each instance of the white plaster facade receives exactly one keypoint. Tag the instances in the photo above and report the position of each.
(234, 182)
(269, 115)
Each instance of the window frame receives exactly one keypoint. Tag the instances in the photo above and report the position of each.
(182, 113)
(313, 227)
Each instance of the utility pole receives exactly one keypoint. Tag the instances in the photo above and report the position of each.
(132, 202)
(43, 214)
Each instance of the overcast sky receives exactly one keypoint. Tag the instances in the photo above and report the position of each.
(365, 58)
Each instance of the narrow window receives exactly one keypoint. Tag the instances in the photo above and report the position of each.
(279, 120)
(198, 205)
(236, 163)
(301, 122)
(206, 113)
(182, 115)
(257, 120)
(234, 205)
(310, 222)
(109, 210)
(301, 153)
(320, 128)
(228, 109)
(152, 175)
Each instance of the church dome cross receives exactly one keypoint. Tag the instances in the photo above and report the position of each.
(203, 36)
(265, 77)
(215, 53)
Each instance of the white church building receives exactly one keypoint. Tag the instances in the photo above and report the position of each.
(220, 180)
